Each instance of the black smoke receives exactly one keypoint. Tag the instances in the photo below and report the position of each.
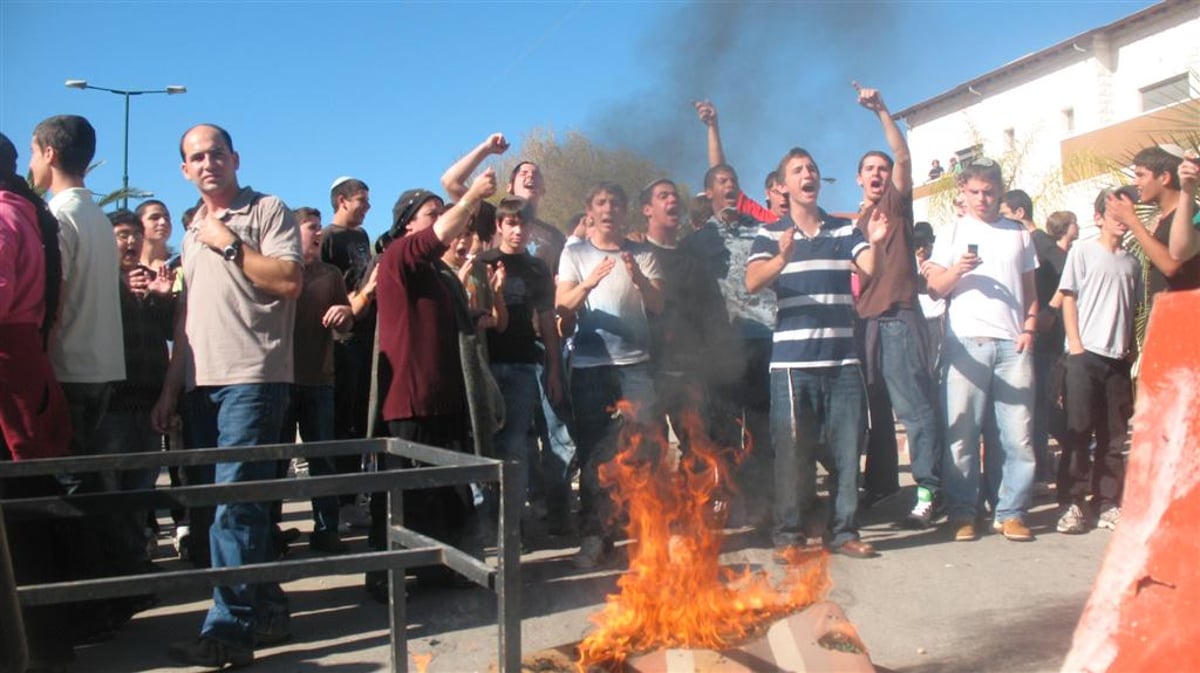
(779, 74)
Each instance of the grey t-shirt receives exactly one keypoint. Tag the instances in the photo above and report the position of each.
(612, 327)
(239, 333)
(1107, 288)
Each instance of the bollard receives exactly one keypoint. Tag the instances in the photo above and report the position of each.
(1136, 618)
(13, 655)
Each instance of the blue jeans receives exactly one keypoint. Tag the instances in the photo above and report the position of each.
(519, 384)
(240, 415)
(558, 449)
(594, 392)
(980, 372)
(816, 414)
(311, 408)
(911, 395)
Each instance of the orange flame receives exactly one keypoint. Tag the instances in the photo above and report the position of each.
(422, 661)
(676, 593)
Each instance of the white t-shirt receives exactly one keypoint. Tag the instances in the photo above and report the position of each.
(612, 327)
(988, 301)
(89, 345)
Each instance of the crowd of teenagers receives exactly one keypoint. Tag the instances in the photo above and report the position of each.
(794, 335)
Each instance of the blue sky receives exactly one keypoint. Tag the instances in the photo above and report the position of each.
(393, 92)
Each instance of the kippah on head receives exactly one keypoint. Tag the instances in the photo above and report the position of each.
(8, 156)
(344, 178)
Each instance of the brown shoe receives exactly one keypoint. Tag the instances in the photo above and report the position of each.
(965, 532)
(856, 549)
(1015, 530)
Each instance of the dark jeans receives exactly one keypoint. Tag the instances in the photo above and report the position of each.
(446, 513)
(741, 412)
(910, 392)
(311, 408)
(241, 415)
(551, 475)
(594, 393)
(352, 390)
(816, 414)
(881, 473)
(685, 402)
(40, 549)
(129, 432)
(1099, 399)
(1043, 406)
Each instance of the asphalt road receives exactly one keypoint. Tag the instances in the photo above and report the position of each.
(926, 604)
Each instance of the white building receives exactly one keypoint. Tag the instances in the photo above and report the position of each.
(1062, 120)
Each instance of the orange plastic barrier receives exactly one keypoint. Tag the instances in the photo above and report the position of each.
(1141, 614)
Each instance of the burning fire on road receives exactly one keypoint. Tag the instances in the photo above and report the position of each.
(676, 593)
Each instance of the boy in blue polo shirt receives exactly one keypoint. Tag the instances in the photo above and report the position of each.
(818, 400)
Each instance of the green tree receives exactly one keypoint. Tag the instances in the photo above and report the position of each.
(572, 164)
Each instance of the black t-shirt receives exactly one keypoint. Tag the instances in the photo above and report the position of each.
(1051, 260)
(693, 325)
(350, 251)
(528, 288)
(1188, 277)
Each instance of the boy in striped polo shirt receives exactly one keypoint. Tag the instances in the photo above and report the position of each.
(818, 400)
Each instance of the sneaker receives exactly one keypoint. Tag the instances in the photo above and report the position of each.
(921, 515)
(1071, 521)
(274, 632)
(1109, 518)
(1014, 529)
(210, 653)
(965, 532)
(869, 499)
(183, 537)
(355, 515)
(298, 468)
(592, 552)
(327, 541)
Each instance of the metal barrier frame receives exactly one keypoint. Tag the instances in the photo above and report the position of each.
(407, 548)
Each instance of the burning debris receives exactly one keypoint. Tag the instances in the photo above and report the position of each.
(676, 593)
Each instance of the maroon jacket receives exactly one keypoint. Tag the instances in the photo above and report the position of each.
(418, 332)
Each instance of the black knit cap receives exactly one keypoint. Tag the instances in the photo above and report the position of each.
(8, 156)
(406, 208)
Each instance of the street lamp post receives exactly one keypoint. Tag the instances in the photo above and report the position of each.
(170, 91)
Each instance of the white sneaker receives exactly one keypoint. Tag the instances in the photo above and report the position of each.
(182, 533)
(1109, 518)
(1071, 522)
(591, 553)
(921, 515)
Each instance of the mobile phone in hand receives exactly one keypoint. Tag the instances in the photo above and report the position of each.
(972, 249)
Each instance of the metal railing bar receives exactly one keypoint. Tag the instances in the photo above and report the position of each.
(456, 559)
(248, 491)
(190, 457)
(276, 571)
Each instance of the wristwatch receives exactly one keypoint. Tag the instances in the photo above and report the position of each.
(231, 251)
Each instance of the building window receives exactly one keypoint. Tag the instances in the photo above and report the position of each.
(1068, 118)
(1166, 92)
